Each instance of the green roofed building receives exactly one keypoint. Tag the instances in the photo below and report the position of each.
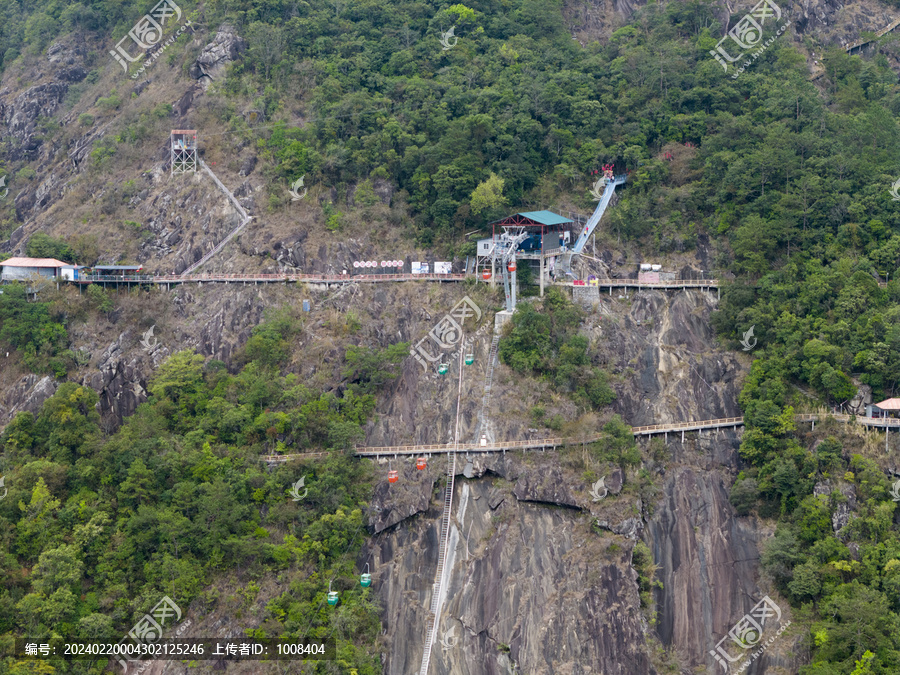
(549, 235)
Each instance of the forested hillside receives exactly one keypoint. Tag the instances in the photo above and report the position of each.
(100, 527)
(781, 177)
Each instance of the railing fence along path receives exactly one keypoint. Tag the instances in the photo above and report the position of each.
(552, 443)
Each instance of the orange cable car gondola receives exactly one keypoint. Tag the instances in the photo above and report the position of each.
(392, 474)
(420, 463)
(512, 266)
(486, 274)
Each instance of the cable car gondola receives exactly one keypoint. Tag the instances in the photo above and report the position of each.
(332, 596)
(365, 579)
(392, 474)
(420, 463)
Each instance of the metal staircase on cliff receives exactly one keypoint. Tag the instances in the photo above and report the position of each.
(598, 212)
(437, 592)
(244, 220)
(564, 262)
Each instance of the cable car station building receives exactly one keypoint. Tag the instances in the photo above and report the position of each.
(549, 235)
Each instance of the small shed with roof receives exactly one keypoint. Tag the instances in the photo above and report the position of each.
(112, 270)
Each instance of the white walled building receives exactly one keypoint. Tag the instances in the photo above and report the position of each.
(21, 269)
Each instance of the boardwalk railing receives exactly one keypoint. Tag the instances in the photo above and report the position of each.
(687, 426)
(470, 447)
(265, 278)
(553, 443)
(322, 278)
(620, 283)
(354, 278)
(114, 278)
(884, 31)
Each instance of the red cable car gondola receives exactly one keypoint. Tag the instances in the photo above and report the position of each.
(420, 463)
(486, 274)
(392, 476)
(512, 266)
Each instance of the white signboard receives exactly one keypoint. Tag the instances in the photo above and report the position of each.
(442, 268)
(420, 268)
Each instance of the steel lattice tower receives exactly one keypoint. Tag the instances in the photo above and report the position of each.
(184, 151)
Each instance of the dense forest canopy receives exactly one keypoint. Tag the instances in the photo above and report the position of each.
(785, 179)
(177, 500)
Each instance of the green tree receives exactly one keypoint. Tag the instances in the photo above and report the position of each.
(270, 343)
(37, 525)
(57, 568)
(139, 487)
(859, 621)
(743, 496)
(488, 197)
(41, 245)
(18, 436)
(179, 379)
(369, 368)
(28, 327)
(69, 421)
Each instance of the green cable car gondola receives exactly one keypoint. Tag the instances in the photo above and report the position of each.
(365, 579)
(443, 368)
(332, 596)
(470, 359)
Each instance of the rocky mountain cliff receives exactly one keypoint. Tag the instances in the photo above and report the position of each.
(538, 570)
(540, 576)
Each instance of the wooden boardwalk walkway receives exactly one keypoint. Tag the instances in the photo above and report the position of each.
(553, 443)
(884, 31)
(248, 278)
(167, 279)
(634, 283)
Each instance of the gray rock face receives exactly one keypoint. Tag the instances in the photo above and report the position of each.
(21, 116)
(615, 480)
(226, 47)
(62, 54)
(530, 590)
(410, 495)
(549, 487)
(119, 377)
(707, 557)
(630, 527)
(708, 563)
(844, 508)
(247, 166)
(385, 190)
(72, 74)
(184, 104)
(27, 395)
(665, 338)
